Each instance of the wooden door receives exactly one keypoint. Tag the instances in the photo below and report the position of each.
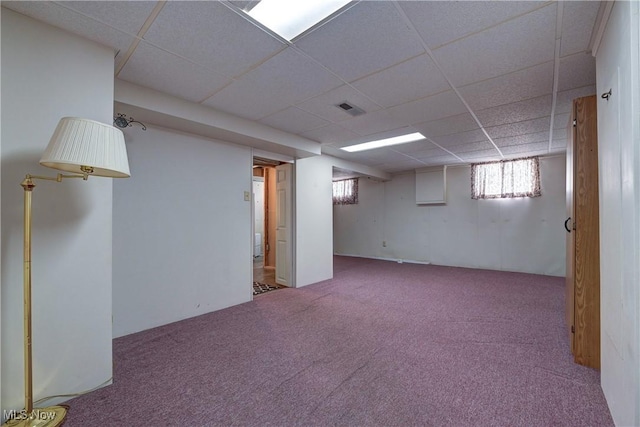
(586, 271)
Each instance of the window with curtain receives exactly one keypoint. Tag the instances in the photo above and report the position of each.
(345, 192)
(506, 179)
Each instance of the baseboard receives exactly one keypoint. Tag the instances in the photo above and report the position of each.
(399, 261)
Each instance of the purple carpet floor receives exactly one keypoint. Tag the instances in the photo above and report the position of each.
(382, 344)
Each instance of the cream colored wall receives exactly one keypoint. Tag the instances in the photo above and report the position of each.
(182, 242)
(512, 234)
(47, 74)
(314, 220)
(618, 69)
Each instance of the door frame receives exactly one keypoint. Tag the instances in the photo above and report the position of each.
(292, 245)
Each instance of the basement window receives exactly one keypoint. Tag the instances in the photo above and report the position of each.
(506, 179)
(345, 192)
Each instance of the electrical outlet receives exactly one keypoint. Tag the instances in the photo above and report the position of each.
(384, 243)
(247, 196)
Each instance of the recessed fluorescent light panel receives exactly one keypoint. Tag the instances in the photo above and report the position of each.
(290, 18)
(402, 139)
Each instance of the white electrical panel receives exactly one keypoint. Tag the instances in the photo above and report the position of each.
(431, 185)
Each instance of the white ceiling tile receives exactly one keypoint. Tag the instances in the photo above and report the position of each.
(283, 80)
(441, 160)
(523, 84)
(481, 156)
(560, 121)
(520, 128)
(565, 98)
(578, 19)
(366, 38)
(129, 19)
(577, 71)
(522, 139)
(373, 123)
(414, 148)
(461, 138)
(403, 166)
(244, 4)
(526, 149)
(516, 112)
(435, 107)
(373, 158)
(330, 134)
(470, 146)
(226, 42)
(429, 154)
(154, 68)
(560, 133)
(384, 155)
(246, 99)
(293, 120)
(440, 22)
(513, 45)
(73, 22)
(405, 82)
(325, 105)
(290, 75)
(447, 126)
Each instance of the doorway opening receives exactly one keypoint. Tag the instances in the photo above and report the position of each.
(270, 210)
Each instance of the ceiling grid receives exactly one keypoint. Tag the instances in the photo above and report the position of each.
(481, 80)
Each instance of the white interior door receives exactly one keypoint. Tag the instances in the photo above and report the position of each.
(284, 186)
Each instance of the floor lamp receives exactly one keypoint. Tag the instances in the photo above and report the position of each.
(83, 148)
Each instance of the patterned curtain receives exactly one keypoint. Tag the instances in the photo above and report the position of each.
(345, 192)
(506, 179)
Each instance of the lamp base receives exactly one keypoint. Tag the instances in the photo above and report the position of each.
(51, 416)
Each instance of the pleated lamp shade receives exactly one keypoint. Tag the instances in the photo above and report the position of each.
(86, 146)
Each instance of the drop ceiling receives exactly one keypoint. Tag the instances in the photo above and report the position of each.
(481, 80)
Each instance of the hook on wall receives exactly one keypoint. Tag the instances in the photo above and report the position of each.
(606, 95)
(122, 121)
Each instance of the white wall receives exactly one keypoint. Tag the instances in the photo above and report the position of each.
(182, 242)
(48, 74)
(513, 234)
(618, 68)
(314, 219)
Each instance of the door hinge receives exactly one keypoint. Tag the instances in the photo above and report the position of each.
(575, 122)
(573, 329)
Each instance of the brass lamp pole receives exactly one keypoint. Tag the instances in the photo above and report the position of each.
(83, 147)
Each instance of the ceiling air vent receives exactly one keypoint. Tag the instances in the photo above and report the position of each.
(351, 109)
